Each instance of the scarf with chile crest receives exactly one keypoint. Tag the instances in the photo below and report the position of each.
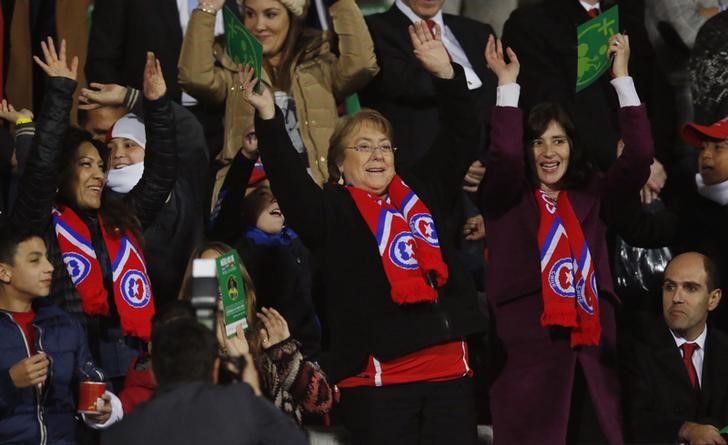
(568, 279)
(132, 290)
(408, 243)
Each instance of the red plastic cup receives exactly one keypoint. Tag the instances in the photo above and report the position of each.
(87, 394)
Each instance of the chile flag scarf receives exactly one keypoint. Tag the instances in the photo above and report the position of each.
(568, 279)
(408, 243)
(132, 291)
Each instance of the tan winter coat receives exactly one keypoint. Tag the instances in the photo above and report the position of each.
(319, 80)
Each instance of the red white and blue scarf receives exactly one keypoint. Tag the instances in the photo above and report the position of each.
(132, 289)
(568, 279)
(407, 240)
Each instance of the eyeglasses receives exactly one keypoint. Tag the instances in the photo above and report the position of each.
(367, 148)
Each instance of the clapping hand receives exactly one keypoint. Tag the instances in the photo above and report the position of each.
(10, 114)
(430, 50)
(101, 94)
(262, 102)
(506, 72)
(276, 327)
(154, 84)
(55, 64)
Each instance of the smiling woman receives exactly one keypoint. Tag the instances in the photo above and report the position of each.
(94, 239)
(550, 289)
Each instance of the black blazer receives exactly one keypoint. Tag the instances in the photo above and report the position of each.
(658, 394)
(122, 31)
(544, 39)
(403, 91)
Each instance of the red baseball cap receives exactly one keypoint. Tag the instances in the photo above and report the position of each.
(694, 134)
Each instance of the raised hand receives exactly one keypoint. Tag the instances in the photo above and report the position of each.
(213, 4)
(619, 48)
(54, 63)
(30, 371)
(154, 84)
(8, 112)
(430, 50)
(505, 72)
(262, 102)
(249, 149)
(276, 327)
(101, 94)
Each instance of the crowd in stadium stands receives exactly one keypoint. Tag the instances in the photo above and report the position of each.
(436, 223)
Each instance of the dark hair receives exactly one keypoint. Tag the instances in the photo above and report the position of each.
(712, 274)
(344, 128)
(10, 237)
(255, 203)
(116, 214)
(173, 310)
(183, 350)
(578, 172)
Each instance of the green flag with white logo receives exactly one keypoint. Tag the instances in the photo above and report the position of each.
(243, 48)
(592, 45)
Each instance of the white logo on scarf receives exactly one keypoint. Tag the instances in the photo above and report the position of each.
(78, 267)
(561, 278)
(424, 227)
(402, 251)
(135, 289)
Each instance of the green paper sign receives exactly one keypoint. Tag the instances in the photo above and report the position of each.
(592, 45)
(724, 430)
(232, 288)
(243, 48)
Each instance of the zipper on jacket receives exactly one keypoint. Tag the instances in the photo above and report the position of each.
(43, 391)
(38, 409)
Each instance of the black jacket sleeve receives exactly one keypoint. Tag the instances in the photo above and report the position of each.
(160, 162)
(40, 180)
(227, 224)
(444, 166)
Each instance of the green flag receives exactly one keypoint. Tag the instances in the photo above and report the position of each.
(243, 48)
(724, 430)
(232, 289)
(592, 44)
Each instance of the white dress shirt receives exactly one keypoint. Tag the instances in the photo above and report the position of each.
(451, 44)
(698, 355)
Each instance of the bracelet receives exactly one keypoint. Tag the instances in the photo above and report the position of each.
(23, 120)
(206, 7)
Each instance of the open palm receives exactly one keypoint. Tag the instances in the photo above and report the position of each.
(54, 63)
(154, 84)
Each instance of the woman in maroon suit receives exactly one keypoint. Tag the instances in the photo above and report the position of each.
(552, 301)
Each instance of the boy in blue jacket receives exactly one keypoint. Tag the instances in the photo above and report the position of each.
(43, 352)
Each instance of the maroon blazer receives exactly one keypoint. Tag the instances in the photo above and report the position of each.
(533, 367)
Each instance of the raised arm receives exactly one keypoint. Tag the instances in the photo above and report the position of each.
(356, 64)
(301, 200)
(40, 180)
(225, 222)
(632, 168)
(505, 179)
(198, 75)
(446, 162)
(160, 158)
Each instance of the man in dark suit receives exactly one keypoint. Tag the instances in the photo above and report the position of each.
(544, 37)
(403, 90)
(404, 94)
(676, 371)
(121, 34)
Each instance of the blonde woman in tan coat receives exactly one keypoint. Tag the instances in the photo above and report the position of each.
(307, 77)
